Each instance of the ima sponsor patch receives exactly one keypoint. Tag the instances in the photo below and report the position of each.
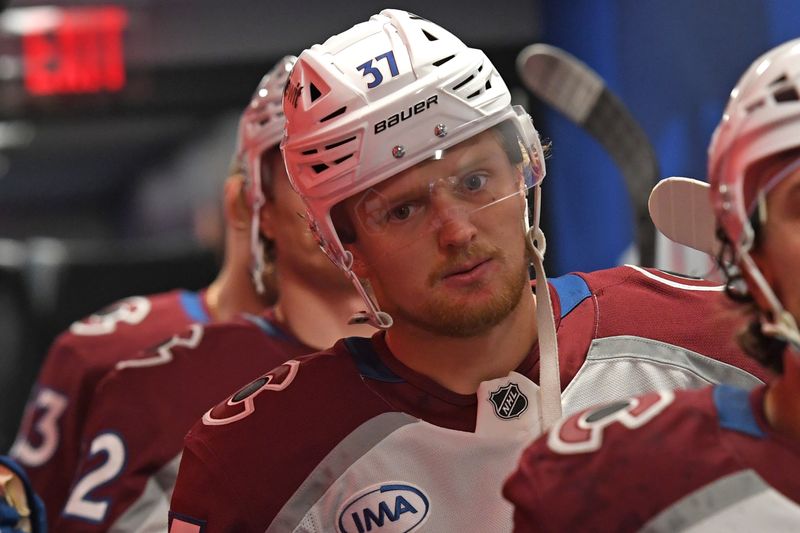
(508, 401)
(393, 506)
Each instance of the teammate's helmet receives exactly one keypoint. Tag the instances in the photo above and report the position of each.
(761, 120)
(378, 99)
(260, 129)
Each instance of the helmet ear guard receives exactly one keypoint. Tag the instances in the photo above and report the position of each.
(261, 129)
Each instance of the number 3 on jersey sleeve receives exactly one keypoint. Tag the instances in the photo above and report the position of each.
(80, 505)
(128, 311)
(583, 433)
(242, 403)
(44, 414)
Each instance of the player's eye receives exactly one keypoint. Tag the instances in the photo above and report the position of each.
(401, 212)
(473, 182)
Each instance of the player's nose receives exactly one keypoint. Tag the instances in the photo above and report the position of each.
(454, 226)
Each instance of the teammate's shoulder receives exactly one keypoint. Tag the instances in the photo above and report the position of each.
(622, 427)
(305, 388)
(121, 316)
(653, 278)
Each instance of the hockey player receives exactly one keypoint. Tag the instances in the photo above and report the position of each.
(47, 444)
(414, 168)
(718, 458)
(134, 433)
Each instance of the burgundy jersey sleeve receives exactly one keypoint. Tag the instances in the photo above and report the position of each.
(249, 454)
(615, 467)
(47, 443)
(134, 434)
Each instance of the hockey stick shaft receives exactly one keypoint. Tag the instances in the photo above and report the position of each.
(575, 90)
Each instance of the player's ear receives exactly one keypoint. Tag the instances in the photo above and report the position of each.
(237, 210)
(268, 219)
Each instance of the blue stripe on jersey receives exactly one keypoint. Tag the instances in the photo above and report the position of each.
(267, 327)
(572, 290)
(734, 410)
(368, 362)
(193, 307)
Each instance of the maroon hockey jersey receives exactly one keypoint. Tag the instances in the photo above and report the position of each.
(702, 460)
(315, 444)
(134, 433)
(48, 441)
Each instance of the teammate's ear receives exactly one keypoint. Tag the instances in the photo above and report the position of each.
(237, 210)
(268, 220)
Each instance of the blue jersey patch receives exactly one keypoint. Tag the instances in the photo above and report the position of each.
(734, 410)
(572, 290)
(193, 307)
(368, 362)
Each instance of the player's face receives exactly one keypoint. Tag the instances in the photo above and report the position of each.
(283, 220)
(448, 255)
(779, 255)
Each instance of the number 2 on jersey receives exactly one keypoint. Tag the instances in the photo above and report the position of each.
(79, 504)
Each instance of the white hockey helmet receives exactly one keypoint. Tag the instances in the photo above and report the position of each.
(260, 129)
(378, 99)
(761, 120)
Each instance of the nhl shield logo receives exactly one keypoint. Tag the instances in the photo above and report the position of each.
(508, 401)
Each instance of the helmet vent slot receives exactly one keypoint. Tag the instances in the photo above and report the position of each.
(488, 85)
(335, 114)
(429, 36)
(343, 158)
(319, 167)
(755, 105)
(787, 94)
(464, 82)
(778, 81)
(473, 95)
(443, 61)
(339, 143)
(310, 152)
(314, 92)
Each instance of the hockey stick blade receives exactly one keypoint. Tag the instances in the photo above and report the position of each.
(681, 210)
(575, 90)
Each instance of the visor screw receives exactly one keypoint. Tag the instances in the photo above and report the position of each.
(726, 206)
(440, 130)
(398, 151)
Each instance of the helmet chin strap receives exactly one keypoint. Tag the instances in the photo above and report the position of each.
(549, 376)
(373, 315)
(257, 252)
(781, 324)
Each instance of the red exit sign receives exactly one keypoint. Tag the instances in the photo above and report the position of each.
(81, 52)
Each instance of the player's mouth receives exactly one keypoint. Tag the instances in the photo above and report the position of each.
(467, 273)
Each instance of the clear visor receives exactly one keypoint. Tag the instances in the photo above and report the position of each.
(482, 180)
